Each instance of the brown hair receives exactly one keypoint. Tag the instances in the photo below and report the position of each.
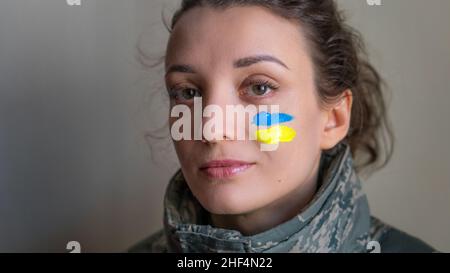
(340, 62)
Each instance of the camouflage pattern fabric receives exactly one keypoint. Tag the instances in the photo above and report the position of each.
(336, 220)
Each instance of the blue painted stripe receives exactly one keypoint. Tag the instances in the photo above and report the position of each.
(268, 119)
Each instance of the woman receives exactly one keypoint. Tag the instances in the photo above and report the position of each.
(304, 196)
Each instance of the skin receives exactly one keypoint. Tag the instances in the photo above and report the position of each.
(282, 182)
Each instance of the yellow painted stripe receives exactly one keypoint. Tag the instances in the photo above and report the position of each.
(275, 134)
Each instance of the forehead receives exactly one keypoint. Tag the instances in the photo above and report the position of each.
(214, 36)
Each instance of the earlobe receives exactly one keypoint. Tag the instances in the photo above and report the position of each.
(337, 121)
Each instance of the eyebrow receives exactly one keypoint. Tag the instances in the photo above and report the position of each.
(240, 63)
(251, 60)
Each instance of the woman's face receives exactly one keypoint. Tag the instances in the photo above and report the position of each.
(202, 57)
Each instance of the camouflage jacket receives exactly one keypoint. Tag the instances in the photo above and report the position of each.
(336, 220)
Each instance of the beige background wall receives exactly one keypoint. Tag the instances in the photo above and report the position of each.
(74, 108)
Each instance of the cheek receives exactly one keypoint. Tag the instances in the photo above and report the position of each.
(306, 145)
(184, 148)
(308, 120)
(293, 161)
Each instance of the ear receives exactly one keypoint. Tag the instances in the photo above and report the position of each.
(336, 121)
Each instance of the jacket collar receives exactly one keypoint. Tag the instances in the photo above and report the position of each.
(336, 220)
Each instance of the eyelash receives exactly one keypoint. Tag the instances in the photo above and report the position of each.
(173, 92)
(267, 83)
(174, 95)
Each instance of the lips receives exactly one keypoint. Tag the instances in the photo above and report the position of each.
(221, 169)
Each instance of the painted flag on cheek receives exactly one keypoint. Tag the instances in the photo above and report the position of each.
(275, 133)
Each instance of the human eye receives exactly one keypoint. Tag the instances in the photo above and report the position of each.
(183, 94)
(259, 88)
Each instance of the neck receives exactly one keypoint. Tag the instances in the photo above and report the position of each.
(278, 212)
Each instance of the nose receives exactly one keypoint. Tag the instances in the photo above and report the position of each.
(214, 121)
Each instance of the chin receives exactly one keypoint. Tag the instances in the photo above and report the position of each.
(227, 202)
(225, 210)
